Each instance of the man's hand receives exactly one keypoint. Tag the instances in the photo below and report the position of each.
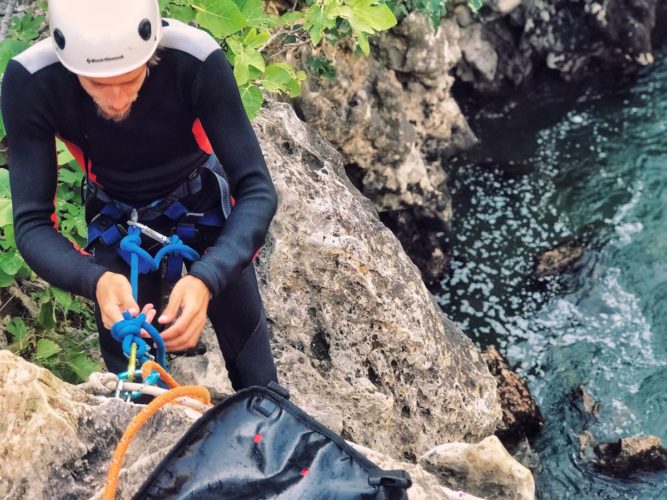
(190, 296)
(114, 295)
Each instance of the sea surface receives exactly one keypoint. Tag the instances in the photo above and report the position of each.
(588, 165)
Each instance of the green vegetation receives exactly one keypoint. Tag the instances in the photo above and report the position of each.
(56, 330)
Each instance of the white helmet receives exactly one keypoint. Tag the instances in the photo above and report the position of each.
(100, 38)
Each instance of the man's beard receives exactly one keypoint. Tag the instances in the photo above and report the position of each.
(116, 118)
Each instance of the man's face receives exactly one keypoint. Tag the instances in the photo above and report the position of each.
(114, 95)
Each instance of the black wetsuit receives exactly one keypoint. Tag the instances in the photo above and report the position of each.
(187, 108)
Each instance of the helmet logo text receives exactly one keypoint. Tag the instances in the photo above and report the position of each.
(104, 59)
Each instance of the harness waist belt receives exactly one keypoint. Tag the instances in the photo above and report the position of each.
(163, 206)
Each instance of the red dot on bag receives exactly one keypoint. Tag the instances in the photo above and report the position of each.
(305, 472)
(258, 438)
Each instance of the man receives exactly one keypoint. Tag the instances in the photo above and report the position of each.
(147, 106)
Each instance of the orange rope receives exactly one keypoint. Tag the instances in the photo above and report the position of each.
(149, 366)
(193, 391)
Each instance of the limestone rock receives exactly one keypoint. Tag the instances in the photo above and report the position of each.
(631, 454)
(503, 6)
(590, 406)
(521, 416)
(558, 260)
(351, 320)
(485, 469)
(394, 120)
(587, 36)
(586, 443)
(207, 368)
(56, 440)
(524, 453)
(478, 55)
(575, 38)
(425, 486)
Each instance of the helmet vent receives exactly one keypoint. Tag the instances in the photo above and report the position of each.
(145, 29)
(59, 39)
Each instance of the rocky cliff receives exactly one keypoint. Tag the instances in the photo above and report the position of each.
(357, 338)
(394, 118)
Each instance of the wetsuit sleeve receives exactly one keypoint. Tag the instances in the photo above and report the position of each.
(217, 103)
(33, 180)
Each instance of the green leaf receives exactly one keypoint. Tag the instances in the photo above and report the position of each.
(4, 183)
(183, 13)
(318, 19)
(10, 262)
(221, 17)
(47, 315)
(253, 11)
(364, 17)
(64, 155)
(321, 67)
(6, 218)
(255, 39)
(8, 49)
(63, 298)
(46, 348)
(6, 280)
(83, 366)
(475, 5)
(289, 18)
(71, 177)
(244, 58)
(281, 77)
(252, 99)
(26, 27)
(163, 4)
(18, 329)
(363, 42)
(9, 242)
(277, 77)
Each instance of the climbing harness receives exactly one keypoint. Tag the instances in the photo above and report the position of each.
(108, 225)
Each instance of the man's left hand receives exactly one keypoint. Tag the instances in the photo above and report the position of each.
(190, 297)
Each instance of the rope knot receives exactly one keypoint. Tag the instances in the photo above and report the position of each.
(128, 331)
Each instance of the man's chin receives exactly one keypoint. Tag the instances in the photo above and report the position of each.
(116, 117)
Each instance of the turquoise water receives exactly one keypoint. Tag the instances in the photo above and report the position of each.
(590, 165)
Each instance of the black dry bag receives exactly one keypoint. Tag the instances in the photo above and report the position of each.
(258, 445)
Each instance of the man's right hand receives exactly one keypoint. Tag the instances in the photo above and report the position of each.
(114, 296)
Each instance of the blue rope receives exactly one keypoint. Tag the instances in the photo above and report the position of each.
(128, 330)
(176, 247)
(132, 244)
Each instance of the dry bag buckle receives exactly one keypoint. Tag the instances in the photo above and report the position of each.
(390, 478)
